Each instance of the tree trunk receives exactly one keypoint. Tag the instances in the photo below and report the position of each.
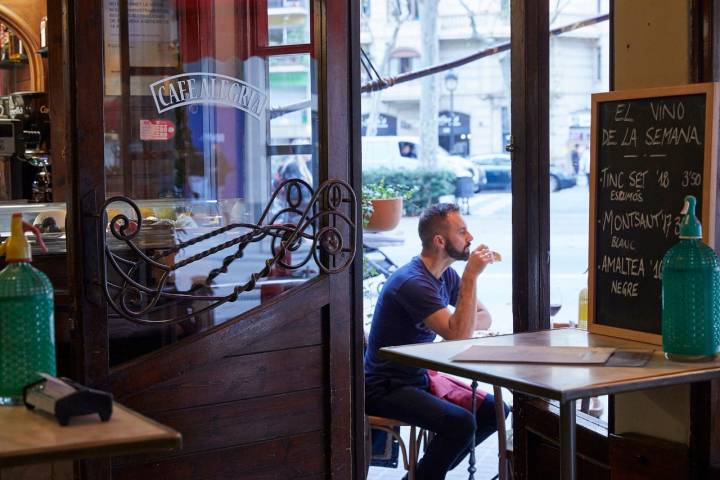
(429, 90)
(383, 69)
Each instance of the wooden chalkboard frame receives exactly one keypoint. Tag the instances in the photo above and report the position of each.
(709, 195)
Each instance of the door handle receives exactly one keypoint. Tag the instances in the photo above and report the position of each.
(510, 147)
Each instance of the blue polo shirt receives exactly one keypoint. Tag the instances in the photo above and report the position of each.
(409, 296)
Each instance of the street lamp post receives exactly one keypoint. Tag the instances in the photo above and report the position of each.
(451, 83)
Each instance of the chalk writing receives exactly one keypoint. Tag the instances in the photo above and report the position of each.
(619, 242)
(614, 222)
(627, 266)
(625, 289)
(649, 154)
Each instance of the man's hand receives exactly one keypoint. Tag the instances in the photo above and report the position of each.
(478, 260)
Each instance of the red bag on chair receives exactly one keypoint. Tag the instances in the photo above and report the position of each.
(453, 390)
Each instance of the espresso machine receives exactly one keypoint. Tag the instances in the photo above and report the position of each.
(25, 146)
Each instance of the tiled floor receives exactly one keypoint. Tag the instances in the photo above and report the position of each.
(486, 463)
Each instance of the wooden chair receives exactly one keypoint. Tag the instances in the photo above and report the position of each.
(419, 438)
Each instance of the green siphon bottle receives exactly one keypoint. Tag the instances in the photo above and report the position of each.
(27, 330)
(690, 293)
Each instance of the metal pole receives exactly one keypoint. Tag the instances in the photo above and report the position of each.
(452, 123)
(471, 467)
(387, 82)
(567, 440)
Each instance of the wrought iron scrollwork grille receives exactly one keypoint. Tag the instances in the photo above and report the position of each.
(328, 221)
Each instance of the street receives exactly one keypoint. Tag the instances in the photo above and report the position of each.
(489, 222)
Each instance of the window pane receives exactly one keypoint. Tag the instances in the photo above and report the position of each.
(579, 66)
(288, 22)
(199, 130)
(469, 131)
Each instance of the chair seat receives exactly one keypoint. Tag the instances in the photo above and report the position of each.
(419, 438)
(386, 422)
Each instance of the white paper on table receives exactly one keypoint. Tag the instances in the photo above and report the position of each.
(535, 354)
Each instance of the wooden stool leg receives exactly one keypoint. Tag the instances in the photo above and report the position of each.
(502, 434)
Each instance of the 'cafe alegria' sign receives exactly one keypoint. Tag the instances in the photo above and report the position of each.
(207, 88)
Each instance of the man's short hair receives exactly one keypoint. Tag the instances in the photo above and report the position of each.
(433, 221)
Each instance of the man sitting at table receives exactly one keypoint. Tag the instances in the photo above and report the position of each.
(413, 308)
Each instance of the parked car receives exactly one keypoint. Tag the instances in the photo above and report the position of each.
(497, 170)
(561, 178)
(402, 152)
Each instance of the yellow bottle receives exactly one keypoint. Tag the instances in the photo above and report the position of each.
(583, 309)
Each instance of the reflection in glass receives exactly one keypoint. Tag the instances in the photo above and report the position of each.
(288, 22)
(202, 118)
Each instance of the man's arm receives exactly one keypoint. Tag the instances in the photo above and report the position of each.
(463, 322)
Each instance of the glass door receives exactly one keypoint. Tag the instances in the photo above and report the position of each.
(208, 107)
(201, 110)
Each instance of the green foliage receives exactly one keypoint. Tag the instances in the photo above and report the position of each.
(368, 270)
(380, 189)
(422, 188)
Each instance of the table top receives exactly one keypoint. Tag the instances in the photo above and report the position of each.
(29, 437)
(557, 382)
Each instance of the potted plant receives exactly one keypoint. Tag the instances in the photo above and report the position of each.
(382, 205)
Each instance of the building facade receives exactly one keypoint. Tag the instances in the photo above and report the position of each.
(478, 98)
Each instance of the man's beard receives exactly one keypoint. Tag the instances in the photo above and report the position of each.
(455, 253)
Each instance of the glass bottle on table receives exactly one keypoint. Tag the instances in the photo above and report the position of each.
(27, 329)
(690, 293)
(583, 309)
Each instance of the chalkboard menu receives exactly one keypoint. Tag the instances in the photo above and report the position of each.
(651, 148)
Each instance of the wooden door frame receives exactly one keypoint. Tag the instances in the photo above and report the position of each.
(339, 139)
(340, 39)
(530, 77)
(85, 168)
(530, 37)
(704, 22)
(87, 188)
(530, 98)
(354, 175)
